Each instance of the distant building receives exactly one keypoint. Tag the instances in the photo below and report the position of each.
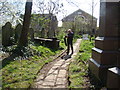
(81, 21)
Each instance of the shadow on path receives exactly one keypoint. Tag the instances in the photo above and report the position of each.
(8, 60)
(66, 56)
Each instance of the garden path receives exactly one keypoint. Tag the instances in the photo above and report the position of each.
(57, 74)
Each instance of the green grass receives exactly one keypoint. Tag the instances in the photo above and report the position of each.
(62, 33)
(78, 69)
(21, 73)
(0, 35)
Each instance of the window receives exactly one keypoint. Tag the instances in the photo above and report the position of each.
(79, 13)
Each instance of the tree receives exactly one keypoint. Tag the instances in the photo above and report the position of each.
(93, 5)
(24, 34)
(50, 7)
(10, 11)
(40, 25)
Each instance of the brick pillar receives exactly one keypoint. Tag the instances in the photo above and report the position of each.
(105, 53)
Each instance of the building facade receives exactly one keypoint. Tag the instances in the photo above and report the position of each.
(81, 21)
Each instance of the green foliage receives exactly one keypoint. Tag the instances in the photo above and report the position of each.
(45, 52)
(77, 73)
(9, 48)
(78, 69)
(86, 49)
(42, 21)
(21, 73)
(62, 45)
(77, 36)
(86, 46)
(61, 33)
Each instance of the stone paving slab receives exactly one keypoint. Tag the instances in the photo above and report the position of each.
(51, 71)
(41, 77)
(56, 77)
(61, 81)
(62, 75)
(59, 63)
(40, 82)
(48, 83)
(50, 78)
(55, 72)
(64, 66)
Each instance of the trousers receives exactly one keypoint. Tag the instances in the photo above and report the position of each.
(69, 44)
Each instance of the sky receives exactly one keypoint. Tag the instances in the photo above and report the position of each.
(72, 5)
(85, 5)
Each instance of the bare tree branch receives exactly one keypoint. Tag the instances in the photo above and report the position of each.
(10, 10)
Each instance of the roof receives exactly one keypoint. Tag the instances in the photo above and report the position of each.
(71, 17)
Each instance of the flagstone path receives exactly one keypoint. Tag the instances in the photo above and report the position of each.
(56, 75)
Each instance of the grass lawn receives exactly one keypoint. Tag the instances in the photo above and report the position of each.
(21, 73)
(78, 69)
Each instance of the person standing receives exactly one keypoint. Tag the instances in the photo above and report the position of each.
(69, 41)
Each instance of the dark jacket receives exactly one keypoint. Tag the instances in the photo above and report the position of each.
(70, 37)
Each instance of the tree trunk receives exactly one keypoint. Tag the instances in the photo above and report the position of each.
(24, 34)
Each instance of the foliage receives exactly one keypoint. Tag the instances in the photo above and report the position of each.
(42, 21)
(20, 52)
(87, 46)
(9, 48)
(78, 70)
(79, 25)
(21, 73)
(62, 45)
(45, 52)
(49, 6)
(11, 10)
(23, 41)
(0, 35)
(61, 33)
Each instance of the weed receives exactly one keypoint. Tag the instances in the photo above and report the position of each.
(78, 69)
(20, 73)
